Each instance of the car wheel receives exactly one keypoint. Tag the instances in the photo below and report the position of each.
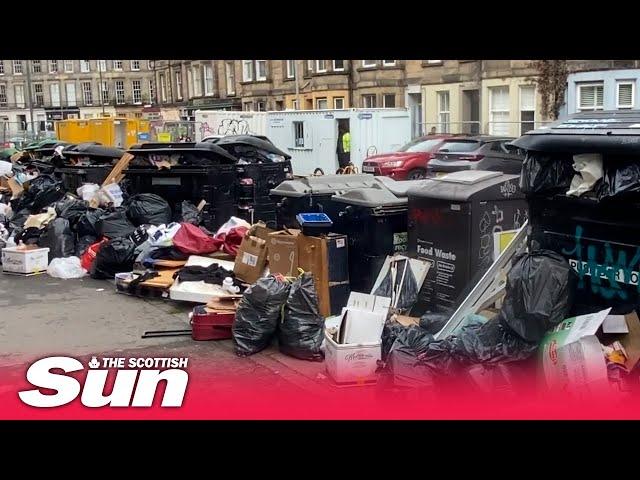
(417, 174)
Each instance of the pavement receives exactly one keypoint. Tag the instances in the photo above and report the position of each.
(44, 316)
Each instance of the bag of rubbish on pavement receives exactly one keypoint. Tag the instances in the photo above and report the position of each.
(402, 358)
(258, 314)
(43, 191)
(114, 256)
(301, 331)
(66, 268)
(148, 209)
(544, 172)
(115, 224)
(88, 222)
(59, 238)
(187, 212)
(72, 209)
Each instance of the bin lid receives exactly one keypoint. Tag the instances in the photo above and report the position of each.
(613, 132)
(375, 196)
(323, 185)
(469, 185)
(252, 141)
(201, 148)
(398, 187)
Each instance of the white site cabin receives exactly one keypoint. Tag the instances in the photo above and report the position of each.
(311, 136)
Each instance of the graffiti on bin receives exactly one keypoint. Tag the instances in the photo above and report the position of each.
(606, 277)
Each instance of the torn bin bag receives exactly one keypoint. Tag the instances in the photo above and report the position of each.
(302, 329)
(544, 172)
(258, 314)
(148, 209)
(59, 239)
(539, 294)
(114, 256)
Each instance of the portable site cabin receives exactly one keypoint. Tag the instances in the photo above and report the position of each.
(227, 122)
(311, 136)
(109, 131)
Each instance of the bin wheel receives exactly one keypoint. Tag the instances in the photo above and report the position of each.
(318, 171)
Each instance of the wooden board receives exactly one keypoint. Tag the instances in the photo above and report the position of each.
(164, 280)
(169, 263)
(116, 174)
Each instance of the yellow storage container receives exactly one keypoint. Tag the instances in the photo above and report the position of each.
(113, 132)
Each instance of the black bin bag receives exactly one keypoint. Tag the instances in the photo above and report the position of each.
(114, 224)
(43, 191)
(545, 172)
(187, 212)
(540, 289)
(148, 209)
(59, 239)
(302, 329)
(258, 315)
(115, 256)
(621, 178)
(72, 209)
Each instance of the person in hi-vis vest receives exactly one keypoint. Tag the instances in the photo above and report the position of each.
(344, 148)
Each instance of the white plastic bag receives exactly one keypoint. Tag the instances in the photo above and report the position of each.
(66, 268)
(589, 170)
(233, 222)
(162, 235)
(88, 191)
(5, 168)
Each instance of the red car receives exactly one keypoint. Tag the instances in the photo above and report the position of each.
(408, 163)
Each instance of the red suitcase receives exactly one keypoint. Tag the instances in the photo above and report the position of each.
(208, 325)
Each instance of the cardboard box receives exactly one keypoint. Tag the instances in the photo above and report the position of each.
(282, 249)
(572, 356)
(251, 259)
(260, 230)
(630, 341)
(327, 258)
(25, 261)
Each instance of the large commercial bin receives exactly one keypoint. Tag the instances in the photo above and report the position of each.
(87, 162)
(452, 220)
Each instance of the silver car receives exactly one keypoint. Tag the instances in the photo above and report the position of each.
(477, 153)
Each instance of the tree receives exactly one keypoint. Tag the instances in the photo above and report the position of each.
(552, 83)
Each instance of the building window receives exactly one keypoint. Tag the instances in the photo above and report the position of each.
(338, 65)
(434, 62)
(3, 95)
(369, 101)
(150, 65)
(54, 91)
(36, 66)
(231, 78)
(190, 83)
(310, 66)
(368, 63)
(298, 134)
(247, 106)
(261, 69)
(117, 65)
(135, 65)
(388, 63)
(68, 66)
(163, 89)
(590, 97)
(85, 67)
(136, 87)
(279, 105)
(104, 92)
(152, 91)
(444, 112)
(294, 104)
(102, 65)
(17, 67)
(19, 91)
(499, 111)
(87, 94)
(321, 66)
(389, 100)
(53, 66)
(119, 92)
(291, 68)
(38, 91)
(625, 94)
(261, 106)
(338, 103)
(527, 108)
(208, 80)
(70, 89)
(321, 104)
(247, 70)
(197, 81)
(179, 85)
(1, 67)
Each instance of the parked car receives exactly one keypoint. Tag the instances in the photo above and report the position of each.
(477, 153)
(408, 163)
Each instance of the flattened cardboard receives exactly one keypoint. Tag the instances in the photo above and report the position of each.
(406, 321)
(251, 259)
(282, 249)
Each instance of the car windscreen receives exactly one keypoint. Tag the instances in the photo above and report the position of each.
(460, 146)
(420, 145)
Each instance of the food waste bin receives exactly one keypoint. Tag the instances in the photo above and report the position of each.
(451, 224)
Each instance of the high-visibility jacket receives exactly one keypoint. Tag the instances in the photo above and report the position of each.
(346, 142)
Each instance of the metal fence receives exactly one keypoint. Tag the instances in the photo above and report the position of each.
(507, 129)
(20, 134)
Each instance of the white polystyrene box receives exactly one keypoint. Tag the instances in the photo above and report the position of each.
(15, 260)
(351, 363)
